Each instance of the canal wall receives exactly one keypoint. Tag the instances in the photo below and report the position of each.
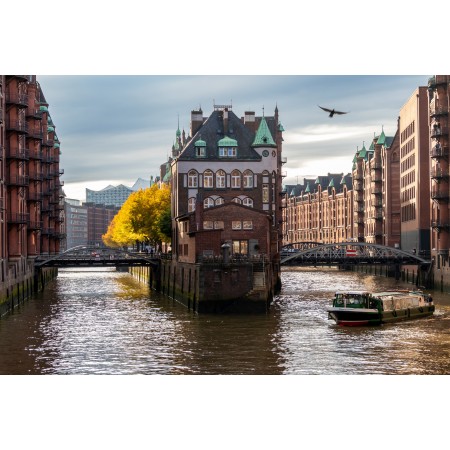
(213, 287)
(408, 274)
(20, 281)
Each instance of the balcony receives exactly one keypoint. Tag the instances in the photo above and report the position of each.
(14, 98)
(438, 131)
(35, 197)
(48, 142)
(440, 225)
(17, 153)
(18, 180)
(376, 177)
(34, 113)
(378, 215)
(437, 173)
(35, 133)
(439, 151)
(440, 194)
(376, 165)
(438, 80)
(34, 225)
(35, 154)
(18, 218)
(16, 125)
(377, 191)
(439, 111)
(36, 176)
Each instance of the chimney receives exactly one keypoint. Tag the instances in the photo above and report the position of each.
(225, 122)
(249, 120)
(196, 121)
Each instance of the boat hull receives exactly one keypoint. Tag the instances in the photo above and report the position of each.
(364, 317)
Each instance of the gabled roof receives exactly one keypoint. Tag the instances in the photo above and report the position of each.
(263, 136)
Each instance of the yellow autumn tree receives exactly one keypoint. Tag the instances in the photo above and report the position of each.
(142, 218)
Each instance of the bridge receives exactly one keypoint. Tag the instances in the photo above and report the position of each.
(347, 253)
(90, 256)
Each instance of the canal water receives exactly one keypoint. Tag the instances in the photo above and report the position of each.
(105, 322)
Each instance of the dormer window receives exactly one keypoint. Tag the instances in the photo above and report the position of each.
(200, 149)
(227, 147)
(227, 152)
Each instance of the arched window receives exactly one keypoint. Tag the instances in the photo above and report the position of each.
(192, 179)
(208, 179)
(235, 179)
(191, 204)
(220, 179)
(219, 201)
(237, 200)
(248, 179)
(208, 202)
(248, 202)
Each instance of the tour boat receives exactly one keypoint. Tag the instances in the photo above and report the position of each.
(360, 308)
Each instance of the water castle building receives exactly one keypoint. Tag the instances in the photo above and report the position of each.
(226, 212)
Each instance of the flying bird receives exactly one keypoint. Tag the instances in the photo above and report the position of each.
(332, 111)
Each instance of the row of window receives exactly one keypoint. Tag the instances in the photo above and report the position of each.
(238, 179)
(407, 132)
(209, 202)
(235, 225)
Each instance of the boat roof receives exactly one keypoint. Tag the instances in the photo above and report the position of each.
(353, 292)
(381, 294)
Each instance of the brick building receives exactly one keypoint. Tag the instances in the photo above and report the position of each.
(226, 203)
(31, 197)
(319, 210)
(99, 217)
(438, 92)
(375, 175)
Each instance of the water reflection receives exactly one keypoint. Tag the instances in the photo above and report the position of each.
(105, 322)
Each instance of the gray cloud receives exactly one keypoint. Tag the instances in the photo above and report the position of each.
(123, 127)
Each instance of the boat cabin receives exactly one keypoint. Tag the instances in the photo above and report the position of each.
(355, 299)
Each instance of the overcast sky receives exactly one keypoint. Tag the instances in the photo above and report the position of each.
(114, 129)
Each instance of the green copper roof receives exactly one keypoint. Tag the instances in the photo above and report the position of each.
(227, 142)
(331, 183)
(343, 179)
(43, 108)
(381, 139)
(56, 145)
(280, 127)
(50, 129)
(308, 189)
(263, 136)
(200, 143)
(372, 147)
(363, 153)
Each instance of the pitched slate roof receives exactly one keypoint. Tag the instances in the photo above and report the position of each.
(212, 131)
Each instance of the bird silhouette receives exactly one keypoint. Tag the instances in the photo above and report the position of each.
(332, 111)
